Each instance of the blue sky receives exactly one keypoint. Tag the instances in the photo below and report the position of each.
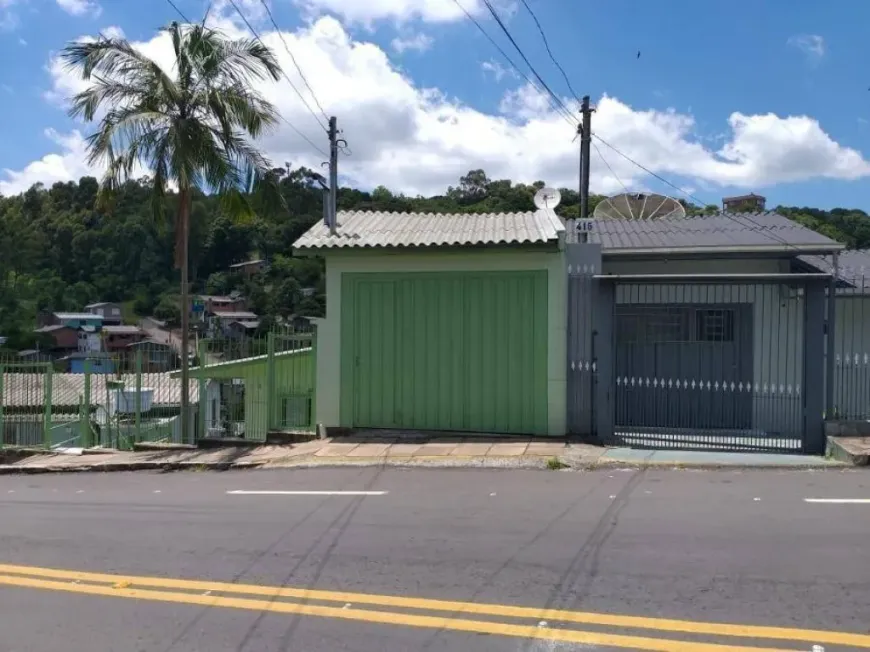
(424, 96)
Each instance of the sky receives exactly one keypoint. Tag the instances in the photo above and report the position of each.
(716, 97)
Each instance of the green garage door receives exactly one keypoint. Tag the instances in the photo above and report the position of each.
(445, 351)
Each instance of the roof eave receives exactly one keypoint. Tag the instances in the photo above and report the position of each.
(796, 250)
(551, 244)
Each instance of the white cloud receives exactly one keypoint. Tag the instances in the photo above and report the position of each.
(80, 7)
(418, 42)
(8, 16)
(22, 42)
(417, 140)
(497, 70)
(365, 11)
(69, 165)
(812, 45)
(113, 31)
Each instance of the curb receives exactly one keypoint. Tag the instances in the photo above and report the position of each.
(840, 450)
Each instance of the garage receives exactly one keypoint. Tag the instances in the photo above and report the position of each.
(447, 351)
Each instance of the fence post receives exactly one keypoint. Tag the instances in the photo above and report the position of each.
(2, 425)
(203, 399)
(814, 368)
(46, 416)
(312, 411)
(87, 433)
(270, 381)
(137, 432)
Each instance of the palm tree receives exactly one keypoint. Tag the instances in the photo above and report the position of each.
(192, 128)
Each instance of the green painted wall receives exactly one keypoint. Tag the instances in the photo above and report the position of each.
(445, 351)
(293, 376)
(490, 259)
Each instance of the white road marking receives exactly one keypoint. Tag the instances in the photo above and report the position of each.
(492, 494)
(80, 491)
(157, 491)
(757, 499)
(240, 492)
(838, 501)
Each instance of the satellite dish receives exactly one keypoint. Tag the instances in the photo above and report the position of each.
(547, 198)
(639, 206)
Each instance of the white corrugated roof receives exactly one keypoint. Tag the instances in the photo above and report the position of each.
(28, 390)
(358, 229)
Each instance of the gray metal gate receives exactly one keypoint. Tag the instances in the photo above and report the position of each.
(584, 263)
(729, 362)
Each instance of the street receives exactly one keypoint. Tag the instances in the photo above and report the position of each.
(373, 559)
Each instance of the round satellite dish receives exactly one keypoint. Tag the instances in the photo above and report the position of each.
(639, 206)
(547, 198)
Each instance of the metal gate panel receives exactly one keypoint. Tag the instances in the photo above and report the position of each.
(584, 262)
(706, 364)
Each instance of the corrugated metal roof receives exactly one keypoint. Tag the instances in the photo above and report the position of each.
(853, 267)
(28, 390)
(122, 329)
(361, 229)
(725, 231)
(236, 315)
(77, 315)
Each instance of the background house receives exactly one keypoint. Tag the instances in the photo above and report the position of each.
(116, 338)
(110, 312)
(750, 203)
(249, 268)
(156, 356)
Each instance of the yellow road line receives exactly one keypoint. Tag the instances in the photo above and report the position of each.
(458, 608)
(386, 618)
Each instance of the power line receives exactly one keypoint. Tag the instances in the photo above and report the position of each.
(290, 124)
(293, 58)
(731, 216)
(286, 76)
(180, 13)
(550, 52)
(612, 171)
(567, 115)
(522, 54)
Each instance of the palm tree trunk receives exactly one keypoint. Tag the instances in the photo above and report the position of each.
(182, 247)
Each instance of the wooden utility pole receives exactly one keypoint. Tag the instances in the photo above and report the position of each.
(585, 130)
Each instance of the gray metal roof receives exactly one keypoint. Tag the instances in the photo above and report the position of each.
(366, 229)
(853, 267)
(727, 232)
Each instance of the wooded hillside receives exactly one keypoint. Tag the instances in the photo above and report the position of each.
(57, 252)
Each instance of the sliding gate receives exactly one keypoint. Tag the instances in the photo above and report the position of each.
(697, 363)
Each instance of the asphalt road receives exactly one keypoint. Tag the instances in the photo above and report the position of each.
(93, 562)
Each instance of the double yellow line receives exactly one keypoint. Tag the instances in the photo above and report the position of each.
(277, 600)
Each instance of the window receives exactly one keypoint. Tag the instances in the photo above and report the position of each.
(714, 325)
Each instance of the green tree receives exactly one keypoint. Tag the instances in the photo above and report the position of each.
(192, 129)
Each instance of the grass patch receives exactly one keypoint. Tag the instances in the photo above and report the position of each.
(555, 464)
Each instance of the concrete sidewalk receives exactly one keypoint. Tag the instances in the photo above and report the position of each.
(412, 451)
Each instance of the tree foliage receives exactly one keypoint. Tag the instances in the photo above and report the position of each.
(58, 252)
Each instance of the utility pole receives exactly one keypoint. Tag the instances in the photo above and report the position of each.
(585, 130)
(333, 174)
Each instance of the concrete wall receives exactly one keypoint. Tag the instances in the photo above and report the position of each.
(489, 259)
(778, 314)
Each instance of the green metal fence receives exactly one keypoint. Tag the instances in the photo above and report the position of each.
(116, 400)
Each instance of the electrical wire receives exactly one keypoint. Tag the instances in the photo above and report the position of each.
(612, 171)
(293, 58)
(286, 76)
(564, 113)
(731, 216)
(180, 13)
(290, 124)
(522, 54)
(550, 52)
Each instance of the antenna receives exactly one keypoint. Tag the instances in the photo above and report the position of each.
(639, 206)
(547, 199)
